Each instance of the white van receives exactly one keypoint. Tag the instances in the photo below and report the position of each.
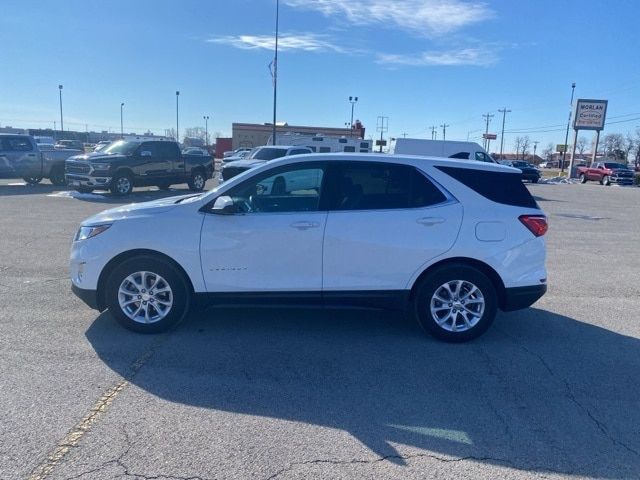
(442, 148)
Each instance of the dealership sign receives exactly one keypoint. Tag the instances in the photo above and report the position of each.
(590, 114)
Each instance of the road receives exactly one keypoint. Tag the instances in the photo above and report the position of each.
(549, 392)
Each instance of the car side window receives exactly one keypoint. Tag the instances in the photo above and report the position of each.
(16, 144)
(298, 151)
(481, 157)
(381, 186)
(289, 189)
(460, 155)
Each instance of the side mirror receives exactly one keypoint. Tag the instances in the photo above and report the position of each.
(224, 206)
(145, 153)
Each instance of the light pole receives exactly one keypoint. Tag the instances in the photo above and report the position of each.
(177, 121)
(566, 136)
(61, 122)
(121, 123)
(275, 76)
(444, 130)
(504, 112)
(352, 101)
(206, 130)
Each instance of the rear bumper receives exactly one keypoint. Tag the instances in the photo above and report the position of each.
(516, 298)
(90, 297)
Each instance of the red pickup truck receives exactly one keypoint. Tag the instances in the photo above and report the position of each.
(606, 173)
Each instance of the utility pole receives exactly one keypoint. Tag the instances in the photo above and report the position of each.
(61, 121)
(566, 136)
(206, 130)
(404, 135)
(382, 126)
(434, 133)
(275, 77)
(488, 116)
(504, 112)
(444, 130)
(121, 123)
(535, 146)
(177, 120)
(352, 101)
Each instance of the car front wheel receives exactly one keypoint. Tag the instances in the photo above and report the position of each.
(455, 303)
(121, 184)
(606, 180)
(583, 178)
(147, 294)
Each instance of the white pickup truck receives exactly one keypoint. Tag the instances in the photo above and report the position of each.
(22, 157)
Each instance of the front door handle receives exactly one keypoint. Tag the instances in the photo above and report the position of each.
(305, 225)
(430, 221)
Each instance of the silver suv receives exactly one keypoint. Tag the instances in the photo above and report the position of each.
(260, 156)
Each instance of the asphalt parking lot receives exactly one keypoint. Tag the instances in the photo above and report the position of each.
(549, 392)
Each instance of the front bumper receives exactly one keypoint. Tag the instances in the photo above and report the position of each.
(90, 297)
(75, 180)
(621, 180)
(517, 298)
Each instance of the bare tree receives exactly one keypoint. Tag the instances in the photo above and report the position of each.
(547, 152)
(613, 144)
(581, 145)
(195, 132)
(524, 146)
(629, 144)
(517, 144)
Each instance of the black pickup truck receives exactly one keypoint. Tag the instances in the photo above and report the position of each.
(137, 163)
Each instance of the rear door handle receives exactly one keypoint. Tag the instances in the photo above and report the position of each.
(305, 225)
(430, 221)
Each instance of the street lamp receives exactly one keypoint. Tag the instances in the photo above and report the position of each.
(177, 122)
(61, 122)
(566, 136)
(206, 130)
(121, 124)
(352, 101)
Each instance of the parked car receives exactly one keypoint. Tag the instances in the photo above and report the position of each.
(22, 157)
(258, 156)
(70, 144)
(230, 153)
(365, 229)
(134, 163)
(606, 173)
(442, 148)
(195, 151)
(101, 145)
(238, 156)
(529, 171)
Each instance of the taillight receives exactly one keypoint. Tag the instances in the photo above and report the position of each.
(537, 224)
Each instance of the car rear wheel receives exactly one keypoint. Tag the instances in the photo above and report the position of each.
(197, 181)
(583, 178)
(57, 176)
(121, 184)
(455, 303)
(147, 294)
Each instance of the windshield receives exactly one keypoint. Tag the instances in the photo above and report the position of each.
(615, 166)
(268, 153)
(121, 147)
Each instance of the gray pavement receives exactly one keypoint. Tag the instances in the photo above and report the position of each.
(549, 392)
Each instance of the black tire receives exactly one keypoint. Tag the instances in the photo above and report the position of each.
(606, 180)
(56, 176)
(84, 189)
(121, 184)
(180, 293)
(433, 282)
(583, 178)
(534, 180)
(32, 180)
(197, 181)
(164, 186)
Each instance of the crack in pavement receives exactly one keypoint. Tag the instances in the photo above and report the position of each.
(571, 396)
(72, 439)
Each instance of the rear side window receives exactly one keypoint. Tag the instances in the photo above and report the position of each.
(460, 155)
(501, 187)
(16, 144)
(380, 186)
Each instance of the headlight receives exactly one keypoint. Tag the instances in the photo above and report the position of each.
(88, 232)
(100, 166)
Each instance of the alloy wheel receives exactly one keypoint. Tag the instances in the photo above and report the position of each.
(457, 305)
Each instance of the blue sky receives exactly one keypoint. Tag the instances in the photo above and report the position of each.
(420, 63)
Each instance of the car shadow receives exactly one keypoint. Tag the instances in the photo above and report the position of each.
(538, 392)
(98, 196)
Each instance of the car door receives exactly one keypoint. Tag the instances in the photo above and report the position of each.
(273, 243)
(385, 221)
(19, 157)
(151, 164)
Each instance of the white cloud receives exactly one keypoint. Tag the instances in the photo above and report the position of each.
(464, 56)
(423, 17)
(305, 42)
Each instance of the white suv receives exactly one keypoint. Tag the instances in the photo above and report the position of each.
(455, 241)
